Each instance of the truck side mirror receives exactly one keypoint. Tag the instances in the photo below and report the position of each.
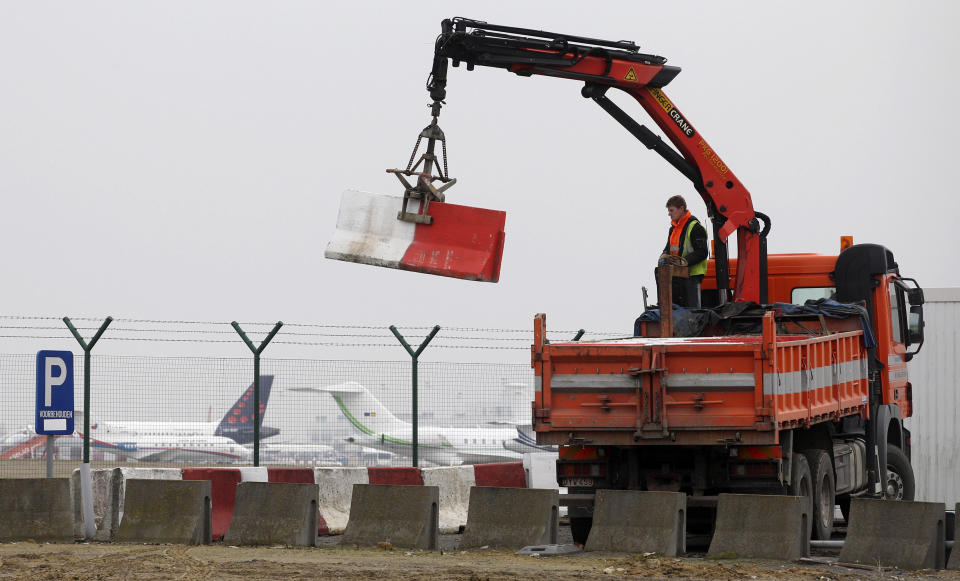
(914, 329)
(915, 324)
(915, 297)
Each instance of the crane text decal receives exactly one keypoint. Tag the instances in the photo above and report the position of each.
(672, 112)
(713, 158)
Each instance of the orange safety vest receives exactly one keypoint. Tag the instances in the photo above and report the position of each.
(677, 232)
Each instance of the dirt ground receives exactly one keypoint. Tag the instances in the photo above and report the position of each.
(114, 561)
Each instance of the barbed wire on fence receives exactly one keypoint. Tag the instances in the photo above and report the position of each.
(300, 334)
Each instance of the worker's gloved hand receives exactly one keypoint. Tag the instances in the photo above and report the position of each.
(664, 260)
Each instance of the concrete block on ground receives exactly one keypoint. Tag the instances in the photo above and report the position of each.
(109, 486)
(223, 487)
(549, 550)
(511, 517)
(405, 516)
(762, 526)
(166, 511)
(904, 534)
(541, 469)
(298, 476)
(454, 483)
(636, 521)
(335, 492)
(274, 513)
(36, 508)
(102, 486)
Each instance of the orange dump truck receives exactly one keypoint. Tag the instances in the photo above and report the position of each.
(772, 399)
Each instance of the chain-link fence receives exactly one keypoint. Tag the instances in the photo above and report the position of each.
(198, 410)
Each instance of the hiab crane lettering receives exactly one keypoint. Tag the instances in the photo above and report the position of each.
(803, 397)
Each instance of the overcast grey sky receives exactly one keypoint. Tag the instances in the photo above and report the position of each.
(185, 160)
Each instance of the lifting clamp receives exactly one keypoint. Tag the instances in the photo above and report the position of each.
(422, 170)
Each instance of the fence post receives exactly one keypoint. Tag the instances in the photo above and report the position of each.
(256, 382)
(86, 479)
(414, 355)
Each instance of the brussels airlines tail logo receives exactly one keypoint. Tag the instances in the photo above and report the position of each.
(664, 102)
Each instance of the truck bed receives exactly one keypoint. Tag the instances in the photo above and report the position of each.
(696, 390)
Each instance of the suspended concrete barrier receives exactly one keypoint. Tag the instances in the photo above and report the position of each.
(461, 242)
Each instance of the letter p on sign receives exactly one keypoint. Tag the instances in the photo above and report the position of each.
(54, 414)
(51, 380)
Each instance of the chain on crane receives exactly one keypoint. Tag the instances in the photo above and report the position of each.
(423, 170)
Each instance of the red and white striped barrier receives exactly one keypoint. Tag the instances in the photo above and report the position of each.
(223, 489)
(461, 242)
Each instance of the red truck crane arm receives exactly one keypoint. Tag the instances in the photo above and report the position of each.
(601, 65)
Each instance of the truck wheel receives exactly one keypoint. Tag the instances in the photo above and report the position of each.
(580, 529)
(900, 483)
(801, 481)
(824, 493)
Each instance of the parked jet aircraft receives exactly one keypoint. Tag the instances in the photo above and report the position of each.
(378, 428)
(177, 449)
(237, 423)
(182, 442)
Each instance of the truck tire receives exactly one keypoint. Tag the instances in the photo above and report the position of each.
(824, 493)
(900, 483)
(801, 481)
(580, 529)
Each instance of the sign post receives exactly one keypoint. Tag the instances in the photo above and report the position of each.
(54, 409)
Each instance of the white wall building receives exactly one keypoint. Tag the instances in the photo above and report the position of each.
(935, 376)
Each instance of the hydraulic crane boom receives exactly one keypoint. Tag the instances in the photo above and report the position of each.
(602, 65)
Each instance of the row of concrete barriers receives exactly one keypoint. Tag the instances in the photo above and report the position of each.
(909, 535)
(333, 499)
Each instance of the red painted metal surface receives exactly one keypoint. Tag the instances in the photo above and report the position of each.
(463, 242)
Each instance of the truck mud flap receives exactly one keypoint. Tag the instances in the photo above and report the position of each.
(462, 242)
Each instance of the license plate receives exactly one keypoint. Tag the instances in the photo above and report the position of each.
(575, 482)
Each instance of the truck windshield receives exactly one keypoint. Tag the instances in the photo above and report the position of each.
(895, 320)
(801, 295)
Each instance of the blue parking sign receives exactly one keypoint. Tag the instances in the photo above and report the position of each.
(54, 393)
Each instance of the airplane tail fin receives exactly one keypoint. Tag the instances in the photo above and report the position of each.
(237, 424)
(362, 409)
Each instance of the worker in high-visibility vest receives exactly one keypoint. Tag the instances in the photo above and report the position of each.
(687, 239)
